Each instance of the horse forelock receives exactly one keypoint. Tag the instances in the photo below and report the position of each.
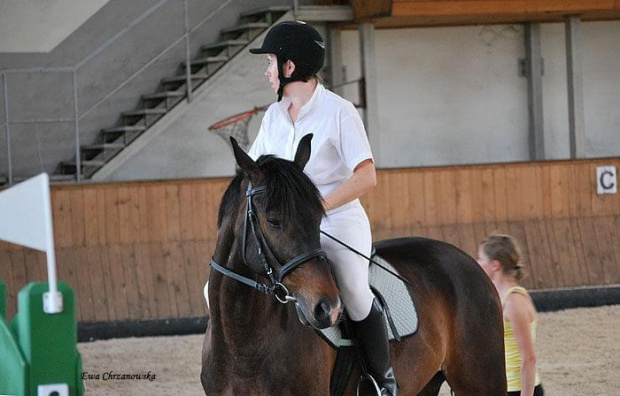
(289, 190)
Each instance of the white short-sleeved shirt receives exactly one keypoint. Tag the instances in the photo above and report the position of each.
(339, 143)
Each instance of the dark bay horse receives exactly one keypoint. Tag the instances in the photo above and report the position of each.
(268, 252)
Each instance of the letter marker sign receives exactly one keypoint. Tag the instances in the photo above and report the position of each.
(606, 180)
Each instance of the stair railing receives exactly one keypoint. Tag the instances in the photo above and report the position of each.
(74, 69)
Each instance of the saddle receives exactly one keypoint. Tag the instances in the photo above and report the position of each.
(400, 315)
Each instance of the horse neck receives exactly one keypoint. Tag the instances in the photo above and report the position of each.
(253, 328)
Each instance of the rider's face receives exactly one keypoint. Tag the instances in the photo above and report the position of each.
(272, 72)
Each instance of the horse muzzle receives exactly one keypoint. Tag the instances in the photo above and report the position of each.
(325, 313)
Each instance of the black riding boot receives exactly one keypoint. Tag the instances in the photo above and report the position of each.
(372, 337)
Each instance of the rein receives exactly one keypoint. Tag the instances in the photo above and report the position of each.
(265, 254)
(367, 258)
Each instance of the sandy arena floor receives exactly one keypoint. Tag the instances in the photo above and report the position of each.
(578, 354)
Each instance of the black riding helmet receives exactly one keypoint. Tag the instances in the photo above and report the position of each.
(298, 42)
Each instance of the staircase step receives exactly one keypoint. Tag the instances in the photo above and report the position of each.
(85, 164)
(144, 112)
(251, 24)
(93, 163)
(246, 26)
(207, 60)
(54, 179)
(225, 44)
(103, 146)
(163, 95)
(262, 11)
(57, 179)
(125, 129)
(182, 78)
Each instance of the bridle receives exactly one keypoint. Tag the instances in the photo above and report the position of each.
(265, 255)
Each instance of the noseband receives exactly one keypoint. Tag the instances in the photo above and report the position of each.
(265, 255)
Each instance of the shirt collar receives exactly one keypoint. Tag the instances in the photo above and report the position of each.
(319, 92)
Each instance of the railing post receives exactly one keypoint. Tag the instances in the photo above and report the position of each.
(188, 60)
(78, 156)
(8, 128)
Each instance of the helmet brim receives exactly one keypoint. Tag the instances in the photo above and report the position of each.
(259, 51)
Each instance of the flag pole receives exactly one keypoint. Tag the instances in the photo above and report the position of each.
(26, 220)
(52, 301)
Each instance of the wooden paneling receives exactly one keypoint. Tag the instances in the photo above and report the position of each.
(130, 250)
(568, 232)
(141, 250)
(493, 193)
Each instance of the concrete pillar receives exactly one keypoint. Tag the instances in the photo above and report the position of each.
(574, 74)
(335, 75)
(369, 74)
(533, 68)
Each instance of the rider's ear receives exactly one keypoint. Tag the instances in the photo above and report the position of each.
(247, 164)
(303, 151)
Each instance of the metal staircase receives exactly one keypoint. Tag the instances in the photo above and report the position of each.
(172, 91)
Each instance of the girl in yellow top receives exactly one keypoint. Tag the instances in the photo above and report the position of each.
(499, 257)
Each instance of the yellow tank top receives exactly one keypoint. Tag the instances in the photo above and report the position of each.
(513, 358)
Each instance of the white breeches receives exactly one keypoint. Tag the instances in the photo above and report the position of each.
(206, 294)
(350, 225)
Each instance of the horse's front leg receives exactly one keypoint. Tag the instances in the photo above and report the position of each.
(212, 375)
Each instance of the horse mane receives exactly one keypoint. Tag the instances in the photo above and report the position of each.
(230, 199)
(289, 191)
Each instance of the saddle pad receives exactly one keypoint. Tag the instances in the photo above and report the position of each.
(396, 296)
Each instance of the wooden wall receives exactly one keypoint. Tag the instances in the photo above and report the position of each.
(130, 250)
(141, 250)
(569, 234)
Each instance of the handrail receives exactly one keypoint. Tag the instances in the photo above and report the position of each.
(120, 34)
(40, 70)
(43, 121)
(121, 85)
(185, 36)
(74, 69)
(7, 130)
(199, 24)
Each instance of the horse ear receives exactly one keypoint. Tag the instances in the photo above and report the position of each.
(247, 164)
(303, 151)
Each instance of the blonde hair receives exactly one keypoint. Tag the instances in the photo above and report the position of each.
(506, 251)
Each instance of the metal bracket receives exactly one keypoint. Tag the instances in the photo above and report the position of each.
(47, 303)
(523, 72)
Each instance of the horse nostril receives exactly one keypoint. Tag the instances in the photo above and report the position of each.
(322, 310)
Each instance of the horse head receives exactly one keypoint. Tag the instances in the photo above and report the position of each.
(277, 234)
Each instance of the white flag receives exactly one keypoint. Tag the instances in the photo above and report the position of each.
(26, 219)
(25, 214)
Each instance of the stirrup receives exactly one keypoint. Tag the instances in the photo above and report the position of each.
(373, 384)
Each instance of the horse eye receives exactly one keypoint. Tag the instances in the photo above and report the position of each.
(274, 223)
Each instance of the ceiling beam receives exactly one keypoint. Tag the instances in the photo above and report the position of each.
(505, 7)
(420, 13)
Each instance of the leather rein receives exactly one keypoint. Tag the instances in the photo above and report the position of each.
(265, 254)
